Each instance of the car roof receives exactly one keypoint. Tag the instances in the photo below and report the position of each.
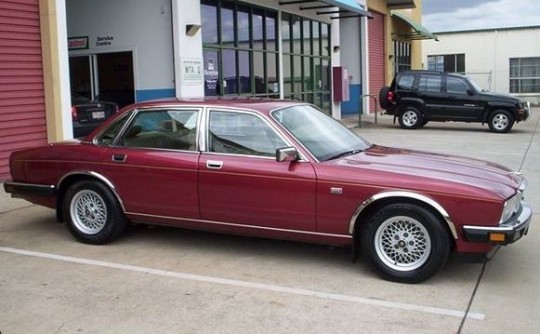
(453, 74)
(264, 105)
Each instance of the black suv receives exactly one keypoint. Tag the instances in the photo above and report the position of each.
(417, 97)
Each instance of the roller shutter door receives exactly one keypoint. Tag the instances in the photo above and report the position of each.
(22, 101)
(376, 55)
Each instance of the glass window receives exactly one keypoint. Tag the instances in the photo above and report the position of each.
(286, 32)
(296, 34)
(430, 83)
(405, 82)
(243, 27)
(230, 85)
(209, 22)
(525, 75)
(258, 29)
(454, 63)
(227, 24)
(241, 133)
(456, 86)
(109, 135)
(163, 129)
(271, 31)
(322, 135)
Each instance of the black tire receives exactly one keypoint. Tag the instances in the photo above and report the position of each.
(410, 118)
(405, 243)
(501, 121)
(383, 101)
(92, 213)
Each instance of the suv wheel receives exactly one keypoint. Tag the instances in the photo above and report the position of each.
(410, 118)
(500, 121)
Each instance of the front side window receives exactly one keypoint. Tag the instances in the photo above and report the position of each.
(162, 129)
(430, 83)
(456, 86)
(242, 133)
(108, 136)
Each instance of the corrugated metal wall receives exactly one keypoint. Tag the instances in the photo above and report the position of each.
(22, 101)
(376, 55)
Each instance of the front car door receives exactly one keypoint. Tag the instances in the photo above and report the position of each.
(240, 181)
(463, 105)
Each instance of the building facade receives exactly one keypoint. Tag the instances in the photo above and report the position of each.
(129, 51)
(505, 60)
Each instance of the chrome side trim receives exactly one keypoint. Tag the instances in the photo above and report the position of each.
(256, 227)
(97, 176)
(419, 197)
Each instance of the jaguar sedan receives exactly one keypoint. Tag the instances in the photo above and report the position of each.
(273, 169)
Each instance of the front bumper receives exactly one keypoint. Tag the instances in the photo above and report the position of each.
(503, 234)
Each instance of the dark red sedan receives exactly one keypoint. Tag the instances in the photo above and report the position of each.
(275, 169)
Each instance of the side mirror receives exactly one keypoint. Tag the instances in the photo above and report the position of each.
(286, 154)
(470, 92)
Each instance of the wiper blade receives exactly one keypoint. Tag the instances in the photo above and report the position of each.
(344, 154)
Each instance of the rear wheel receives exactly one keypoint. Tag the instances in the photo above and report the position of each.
(405, 243)
(410, 118)
(500, 121)
(93, 213)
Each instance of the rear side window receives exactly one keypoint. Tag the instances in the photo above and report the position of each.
(405, 82)
(430, 83)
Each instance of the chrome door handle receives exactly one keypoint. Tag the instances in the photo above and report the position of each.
(214, 164)
(119, 157)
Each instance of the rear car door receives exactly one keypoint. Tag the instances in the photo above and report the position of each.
(153, 164)
(429, 90)
(240, 181)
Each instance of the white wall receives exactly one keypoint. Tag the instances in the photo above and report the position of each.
(489, 50)
(141, 26)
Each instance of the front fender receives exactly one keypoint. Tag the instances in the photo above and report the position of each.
(402, 194)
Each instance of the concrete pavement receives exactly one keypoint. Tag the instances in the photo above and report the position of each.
(165, 280)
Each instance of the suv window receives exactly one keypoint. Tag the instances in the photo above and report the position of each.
(456, 86)
(405, 82)
(430, 83)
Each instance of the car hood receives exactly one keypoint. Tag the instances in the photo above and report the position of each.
(431, 172)
(501, 97)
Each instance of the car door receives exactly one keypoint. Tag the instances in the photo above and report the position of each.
(240, 181)
(463, 105)
(429, 90)
(153, 163)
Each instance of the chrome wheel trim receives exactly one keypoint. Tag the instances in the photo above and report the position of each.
(500, 121)
(410, 118)
(402, 243)
(88, 212)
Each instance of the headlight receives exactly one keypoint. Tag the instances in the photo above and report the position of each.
(510, 207)
(513, 204)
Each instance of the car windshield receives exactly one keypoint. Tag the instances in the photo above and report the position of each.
(322, 135)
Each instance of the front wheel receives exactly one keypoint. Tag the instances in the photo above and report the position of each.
(92, 212)
(410, 118)
(500, 121)
(405, 243)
